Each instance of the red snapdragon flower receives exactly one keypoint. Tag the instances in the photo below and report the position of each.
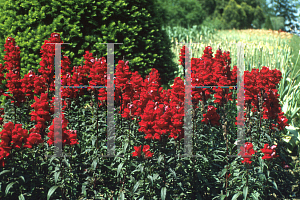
(269, 152)
(247, 152)
(4, 153)
(68, 136)
(212, 116)
(137, 152)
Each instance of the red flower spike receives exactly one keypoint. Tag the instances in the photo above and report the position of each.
(247, 152)
(269, 152)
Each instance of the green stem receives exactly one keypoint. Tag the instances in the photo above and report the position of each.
(97, 117)
(15, 113)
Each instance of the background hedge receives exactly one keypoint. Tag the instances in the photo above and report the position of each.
(84, 24)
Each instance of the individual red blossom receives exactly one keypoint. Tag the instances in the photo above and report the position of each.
(137, 152)
(228, 176)
(282, 120)
(14, 136)
(146, 151)
(210, 71)
(211, 116)
(28, 84)
(222, 96)
(269, 152)
(207, 52)
(41, 113)
(148, 121)
(47, 63)
(39, 85)
(182, 55)
(163, 121)
(12, 65)
(3, 155)
(176, 126)
(271, 105)
(19, 136)
(14, 88)
(149, 90)
(247, 152)
(12, 56)
(33, 139)
(68, 137)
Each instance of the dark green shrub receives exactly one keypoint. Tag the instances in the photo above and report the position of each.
(85, 24)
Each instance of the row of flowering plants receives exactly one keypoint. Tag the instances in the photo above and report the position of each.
(149, 133)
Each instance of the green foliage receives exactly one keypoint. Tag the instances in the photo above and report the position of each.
(277, 22)
(268, 24)
(233, 16)
(182, 13)
(85, 24)
(214, 23)
(241, 16)
(259, 17)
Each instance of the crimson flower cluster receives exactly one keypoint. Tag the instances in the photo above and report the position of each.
(14, 136)
(161, 112)
(146, 151)
(262, 85)
(68, 136)
(12, 64)
(23, 90)
(247, 152)
(212, 116)
(269, 152)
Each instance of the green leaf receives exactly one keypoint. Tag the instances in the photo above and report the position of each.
(119, 168)
(122, 196)
(52, 158)
(9, 186)
(160, 159)
(236, 195)
(151, 179)
(275, 185)
(245, 192)
(255, 195)
(4, 171)
(155, 176)
(56, 175)
(51, 191)
(125, 146)
(173, 172)
(94, 164)
(21, 197)
(136, 186)
(22, 177)
(163, 193)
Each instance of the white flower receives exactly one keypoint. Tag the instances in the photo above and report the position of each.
(166, 108)
(273, 147)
